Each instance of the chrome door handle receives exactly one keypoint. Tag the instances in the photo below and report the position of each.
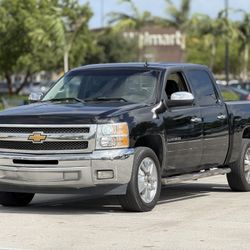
(196, 119)
(221, 117)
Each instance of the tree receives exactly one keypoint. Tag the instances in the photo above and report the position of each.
(37, 34)
(72, 25)
(112, 47)
(244, 40)
(176, 17)
(135, 20)
(212, 33)
(25, 40)
(203, 26)
(12, 42)
(43, 47)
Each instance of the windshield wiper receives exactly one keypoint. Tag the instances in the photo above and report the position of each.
(105, 99)
(65, 99)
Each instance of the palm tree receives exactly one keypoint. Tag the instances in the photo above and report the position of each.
(69, 22)
(212, 31)
(203, 26)
(209, 29)
(244, 39)
(177, 18)
(136, 21)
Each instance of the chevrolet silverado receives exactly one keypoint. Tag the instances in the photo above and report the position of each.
(123, 129)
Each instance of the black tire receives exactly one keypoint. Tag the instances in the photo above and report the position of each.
(15, 199)
(132, 201)
(237, 178)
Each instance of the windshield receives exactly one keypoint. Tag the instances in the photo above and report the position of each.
(106, 85)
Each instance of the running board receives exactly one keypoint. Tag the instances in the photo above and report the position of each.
(195, 176)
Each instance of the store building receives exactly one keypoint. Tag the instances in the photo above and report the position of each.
(157, 43)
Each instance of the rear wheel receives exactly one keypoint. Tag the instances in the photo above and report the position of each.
(145, 185)
(239, 178)
(15, 199)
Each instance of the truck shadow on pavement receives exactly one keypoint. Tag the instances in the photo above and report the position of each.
(77, 204)
(185, 191)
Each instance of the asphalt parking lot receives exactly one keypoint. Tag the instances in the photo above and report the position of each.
(196, 215)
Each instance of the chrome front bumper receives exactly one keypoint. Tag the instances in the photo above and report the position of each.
(26, 172)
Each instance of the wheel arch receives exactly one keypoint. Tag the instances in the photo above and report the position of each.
(154, 142)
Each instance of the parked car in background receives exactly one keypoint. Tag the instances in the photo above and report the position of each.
(233, 94)
(241, 85)
(228, 94)
(37, 87)
(3, 88)
(243, 94)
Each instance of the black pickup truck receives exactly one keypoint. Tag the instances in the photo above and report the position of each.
(123, 129)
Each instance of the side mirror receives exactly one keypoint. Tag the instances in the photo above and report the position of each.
(35, 97)
(181, 98)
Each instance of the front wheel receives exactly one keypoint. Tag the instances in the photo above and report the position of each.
(239, 178)
(144, 187)
(15, 199)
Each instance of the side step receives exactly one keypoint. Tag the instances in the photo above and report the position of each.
(195, 176)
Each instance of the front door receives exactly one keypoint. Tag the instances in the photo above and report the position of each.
(183, 127)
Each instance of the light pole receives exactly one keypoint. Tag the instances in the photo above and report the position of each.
(226, 46)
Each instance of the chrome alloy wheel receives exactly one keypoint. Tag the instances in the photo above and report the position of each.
(247, 165)
(147, 180)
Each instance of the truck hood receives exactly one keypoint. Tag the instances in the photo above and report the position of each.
(64, 113)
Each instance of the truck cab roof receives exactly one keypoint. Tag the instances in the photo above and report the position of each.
(155, 65)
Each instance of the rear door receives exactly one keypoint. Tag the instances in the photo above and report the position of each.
(214, 116)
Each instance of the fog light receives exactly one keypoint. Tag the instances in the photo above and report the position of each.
(105, 174)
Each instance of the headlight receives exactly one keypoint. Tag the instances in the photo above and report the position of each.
(114, 135)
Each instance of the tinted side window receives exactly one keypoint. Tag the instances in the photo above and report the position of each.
(202, 86)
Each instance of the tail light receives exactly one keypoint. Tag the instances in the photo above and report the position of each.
(248, 97)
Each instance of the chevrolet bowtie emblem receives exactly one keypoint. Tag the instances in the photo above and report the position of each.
(37, 137)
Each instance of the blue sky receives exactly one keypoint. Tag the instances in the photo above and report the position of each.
(157, 7)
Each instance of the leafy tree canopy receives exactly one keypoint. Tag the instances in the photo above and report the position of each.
(36, 33)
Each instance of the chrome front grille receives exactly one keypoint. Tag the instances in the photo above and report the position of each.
(56, 138)
(50, 145)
